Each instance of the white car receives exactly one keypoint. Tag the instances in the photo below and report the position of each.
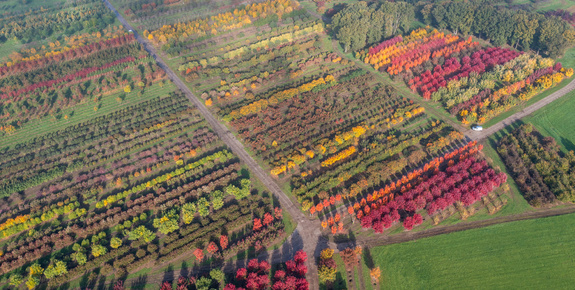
(477, 128)
(130, 31)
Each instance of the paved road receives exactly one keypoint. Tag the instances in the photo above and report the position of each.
(517, 116)
(308, 230)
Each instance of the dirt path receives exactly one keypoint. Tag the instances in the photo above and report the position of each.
(307, 229)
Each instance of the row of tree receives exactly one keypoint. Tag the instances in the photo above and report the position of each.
(540, 168)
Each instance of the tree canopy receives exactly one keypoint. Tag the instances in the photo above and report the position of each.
(521, 29)
(361, 24)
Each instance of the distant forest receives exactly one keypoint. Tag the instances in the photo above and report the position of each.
(362, 24)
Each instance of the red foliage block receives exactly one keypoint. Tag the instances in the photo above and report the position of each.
(278, 213)
(257, 224)
(457, 176)
(430, 81)
(256, 275)
(183, 282)
(119, 285)
(212, 248)
(264, 267)
(166, 286)
(241, 274)
(300, 257)
(199, 253)
(253, 265)
(223, 241)
(268, 219)
(280, 275)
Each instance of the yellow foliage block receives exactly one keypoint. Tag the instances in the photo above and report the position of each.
(339, 156)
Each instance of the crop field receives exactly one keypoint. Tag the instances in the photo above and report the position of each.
(106, 168)
(15, 6)
(549, 5)
(523, 254)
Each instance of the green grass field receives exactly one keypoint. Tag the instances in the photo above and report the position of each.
(531, 254)
(554, 120)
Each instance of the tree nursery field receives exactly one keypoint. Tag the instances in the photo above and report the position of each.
(329, 131)
(149, 143)
(107, 168)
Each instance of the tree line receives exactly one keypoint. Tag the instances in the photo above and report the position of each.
(362, 24)
(521, 29)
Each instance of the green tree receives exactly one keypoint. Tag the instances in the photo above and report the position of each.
(203, 207)
(396, 15)
(32, 282)
(187, 213)
(80, 258)
(35, 269)
(98, 250)
(360, 24)
(459, 17)
(141, 233)
(56, 268)
(438, 14)
(34, 273)
(203, 283)
(524, 30)
(327, 274)
(555, 36)
(217, 199)
(168, 222)
(115, 242)
(218, 275)
(16, 280)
